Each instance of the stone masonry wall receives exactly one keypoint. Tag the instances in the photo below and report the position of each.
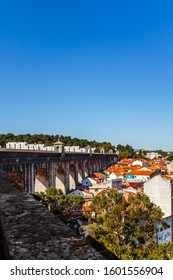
(29, 231)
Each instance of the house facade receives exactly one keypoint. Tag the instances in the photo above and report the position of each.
(160, 192)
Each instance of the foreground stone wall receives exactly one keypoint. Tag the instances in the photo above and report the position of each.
(29, 231)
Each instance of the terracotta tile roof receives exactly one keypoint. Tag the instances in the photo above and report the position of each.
(85, 191)
(168, 177)
(95, 179)
(141, 172)
(125, 167)
(99, 174)
(118, 173)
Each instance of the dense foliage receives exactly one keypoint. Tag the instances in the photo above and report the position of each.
(127, 228)
(64, 204)
(125, 151)
(51, 194)
(70, 204)
(170, 156)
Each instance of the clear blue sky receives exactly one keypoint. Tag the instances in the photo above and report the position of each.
(99, 70)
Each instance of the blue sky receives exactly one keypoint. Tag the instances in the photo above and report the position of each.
(99, 70)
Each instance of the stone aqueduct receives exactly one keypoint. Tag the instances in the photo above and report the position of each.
(38, 169)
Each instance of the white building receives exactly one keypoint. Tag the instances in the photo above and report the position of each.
(115, 175)
(138, 162)
(115, 183)
(84, 193)
(42, 147)
(139, 175)
(17, 145)
(164, 235)
(169, 167)
(26, 146)
(87, 182)
(78, 149)
(160, 191)
(152, 155)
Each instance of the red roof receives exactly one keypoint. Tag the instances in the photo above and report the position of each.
(133, 184)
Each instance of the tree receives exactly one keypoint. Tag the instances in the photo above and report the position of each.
(51, 194)
(55, 198)
(125, 151)
(70, 203)
(170, 157)
(120, 147)
(125, 228)
(162, 252)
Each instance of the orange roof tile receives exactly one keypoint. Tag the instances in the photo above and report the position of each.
(95, 179)
(168, 177)
(117, 173)
(85, 191)
(141, 172)
(99, 174)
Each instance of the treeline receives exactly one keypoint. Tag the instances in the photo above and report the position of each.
(123, 151)
(127, 151)
(49, 140)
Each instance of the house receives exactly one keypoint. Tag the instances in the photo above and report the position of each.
(17, 145)
(140, 175)
(87, 195)
(115, 175)
(99, 176)
(89, 181)
(152, 155)
(95, 178)
(109, 184)
(26, 146)
(160, 191)
(138, 162)
(164, 234)
(169, 167)
(81, 192)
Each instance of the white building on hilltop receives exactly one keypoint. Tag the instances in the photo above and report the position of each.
(26, 146)
(78, 149)
(42, 147)
(152, 155)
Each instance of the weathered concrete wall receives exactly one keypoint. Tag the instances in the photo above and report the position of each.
(159, 191)
(29, 231)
